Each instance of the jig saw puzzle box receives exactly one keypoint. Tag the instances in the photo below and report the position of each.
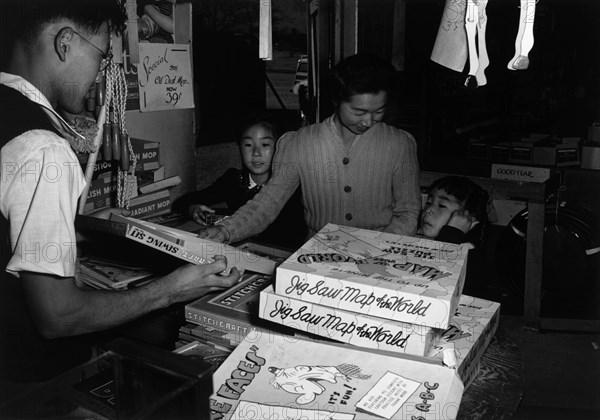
(282, 377)
(347, 327)
(463, 343)
(401, 278)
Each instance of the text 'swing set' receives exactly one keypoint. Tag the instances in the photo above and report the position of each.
(188, 247)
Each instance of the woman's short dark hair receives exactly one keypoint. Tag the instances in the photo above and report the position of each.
(361, 73)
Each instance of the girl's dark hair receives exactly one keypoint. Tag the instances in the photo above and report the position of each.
(361, 73)
(257, 120)
(473, 198)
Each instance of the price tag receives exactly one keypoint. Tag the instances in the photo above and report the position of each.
(165, 77)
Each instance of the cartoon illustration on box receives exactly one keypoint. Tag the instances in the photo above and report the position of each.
(282, 377)
(304, 380)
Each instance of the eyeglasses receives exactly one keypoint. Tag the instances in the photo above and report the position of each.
(106, 56)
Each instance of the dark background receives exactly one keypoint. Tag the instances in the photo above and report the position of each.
(558, 94)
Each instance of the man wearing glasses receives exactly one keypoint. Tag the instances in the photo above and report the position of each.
(58, 47)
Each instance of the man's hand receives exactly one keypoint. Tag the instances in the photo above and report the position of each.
(59, 308)
(214, 233)
(461, 219)
(192, 281)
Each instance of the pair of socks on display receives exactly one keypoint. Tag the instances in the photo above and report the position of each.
(475, 26)
(524, 41)
(453, 45)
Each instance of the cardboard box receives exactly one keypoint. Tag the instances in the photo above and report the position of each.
(545, 155)
(147, 153)
(152, 204)
(177, 243)
(102, 187)
(150, 176)
(190, 332)
(500, 152)
(590, 156)
(279, 377)
(556, 154)
(235, 310)
(103, 192)
(473, 327)
(521, 152)
(346, 327)
(478, 150)
(401, 278)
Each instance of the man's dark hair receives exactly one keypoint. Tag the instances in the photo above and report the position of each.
(26, 18)
(361, 73)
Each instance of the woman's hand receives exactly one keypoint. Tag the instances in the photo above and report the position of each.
(198, 213)
(214, 233)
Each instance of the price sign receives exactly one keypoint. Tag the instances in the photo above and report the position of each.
(165, 77)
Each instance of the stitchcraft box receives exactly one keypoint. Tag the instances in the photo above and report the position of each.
(400, 278)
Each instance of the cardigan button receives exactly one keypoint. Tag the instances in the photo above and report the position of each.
(347, 188)
(348, 216)
(346, 161)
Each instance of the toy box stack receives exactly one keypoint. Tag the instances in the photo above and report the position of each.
(382, 291)
(147, 190)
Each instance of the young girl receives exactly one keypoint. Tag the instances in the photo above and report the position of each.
(235, 187)
(455, 211)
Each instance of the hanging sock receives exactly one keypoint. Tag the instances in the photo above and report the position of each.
(524, 41)
(132, 31)
(450, 48)
(484, 60)
(471, 20)
(265, 42)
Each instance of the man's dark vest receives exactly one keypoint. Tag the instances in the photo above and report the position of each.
(25, 356)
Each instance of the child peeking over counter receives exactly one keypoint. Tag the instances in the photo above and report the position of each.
(456, 211)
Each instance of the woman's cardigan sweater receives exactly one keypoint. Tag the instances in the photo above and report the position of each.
(373, 184)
